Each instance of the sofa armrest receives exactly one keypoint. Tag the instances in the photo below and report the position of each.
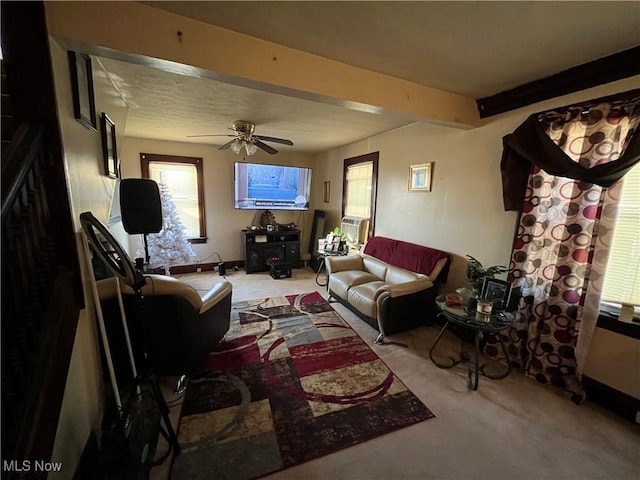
(437, 269)
(157, 285)
(406, 288)
(218, 292)
(341, 264)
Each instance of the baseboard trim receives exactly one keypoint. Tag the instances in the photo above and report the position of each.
(204, 267)
(618, 402)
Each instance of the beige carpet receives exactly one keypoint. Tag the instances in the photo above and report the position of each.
(509, 429)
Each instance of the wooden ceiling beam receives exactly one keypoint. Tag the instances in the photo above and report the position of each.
(620, 65)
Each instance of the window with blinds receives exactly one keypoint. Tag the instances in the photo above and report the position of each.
(622, 280)
(358, 190)
(183, 178)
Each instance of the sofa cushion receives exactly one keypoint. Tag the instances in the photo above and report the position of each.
(363, 297)
(410, 256)
(375, 266)
(340, 282)
(400, 275)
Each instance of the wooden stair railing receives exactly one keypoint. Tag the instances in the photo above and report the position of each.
(39, 305)
(6, 113)
(41, 283)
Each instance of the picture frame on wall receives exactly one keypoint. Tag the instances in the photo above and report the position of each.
(327, 191)
(420, 177)
(84, 107)
(110, 153)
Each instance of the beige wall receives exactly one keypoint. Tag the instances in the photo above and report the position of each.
(224, 223)
(89, 190)
(614, 360)
(463, 213)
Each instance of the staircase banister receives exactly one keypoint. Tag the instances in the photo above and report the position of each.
(21, 155)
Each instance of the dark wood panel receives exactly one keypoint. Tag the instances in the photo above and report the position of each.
(598, 72)
(41, 282)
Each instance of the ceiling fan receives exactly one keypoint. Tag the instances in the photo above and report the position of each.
(244, 138)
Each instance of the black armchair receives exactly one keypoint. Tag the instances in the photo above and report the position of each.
(175, 325)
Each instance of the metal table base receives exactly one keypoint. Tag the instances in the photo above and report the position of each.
(475, 369)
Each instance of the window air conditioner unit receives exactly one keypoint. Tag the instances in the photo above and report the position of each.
(356, 228)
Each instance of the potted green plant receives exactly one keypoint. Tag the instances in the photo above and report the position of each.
(476, 273)
(344, 238)
(338, 233)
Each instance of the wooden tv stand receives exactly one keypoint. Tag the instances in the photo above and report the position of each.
(261, 247)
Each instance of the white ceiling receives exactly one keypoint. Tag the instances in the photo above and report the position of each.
(472, 48)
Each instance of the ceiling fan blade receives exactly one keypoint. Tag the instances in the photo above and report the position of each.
(193, 136)
(264, 146)
(227, 145)
(275, 140)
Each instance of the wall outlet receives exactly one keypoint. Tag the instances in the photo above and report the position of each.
(198, 269)
(637, 417)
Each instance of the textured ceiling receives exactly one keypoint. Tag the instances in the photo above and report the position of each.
(472, 48)
(169, 106)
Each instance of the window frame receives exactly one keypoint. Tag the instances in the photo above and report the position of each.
(145, 158)
(366, 158)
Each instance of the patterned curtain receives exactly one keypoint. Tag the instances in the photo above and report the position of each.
(560, 249)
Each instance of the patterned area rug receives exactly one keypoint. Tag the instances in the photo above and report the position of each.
(292, 382)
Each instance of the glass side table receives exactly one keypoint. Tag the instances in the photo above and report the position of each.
(323, 254)
(479, 324)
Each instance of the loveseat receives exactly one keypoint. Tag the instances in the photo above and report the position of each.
(390, 284)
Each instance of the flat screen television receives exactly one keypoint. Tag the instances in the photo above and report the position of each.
(271, 187)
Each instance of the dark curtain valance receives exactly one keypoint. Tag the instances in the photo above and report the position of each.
(530, 145)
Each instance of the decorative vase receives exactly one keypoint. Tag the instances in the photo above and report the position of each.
(473, 300)
(465, 294)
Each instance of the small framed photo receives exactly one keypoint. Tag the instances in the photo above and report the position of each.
(110, 153)
(498, 291)
(84, 106)
(327, 192)
(420, 177)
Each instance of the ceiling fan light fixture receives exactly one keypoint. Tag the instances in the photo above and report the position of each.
(250, 148)
(236, 146)
(245, 139)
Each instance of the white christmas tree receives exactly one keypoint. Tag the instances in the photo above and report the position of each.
(170, 245)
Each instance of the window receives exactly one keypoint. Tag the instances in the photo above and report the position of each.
(360, 178)
(183, 177)
(622, 280)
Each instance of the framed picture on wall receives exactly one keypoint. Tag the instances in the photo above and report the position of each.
(111, 163)
(84, 107)
(420, 177)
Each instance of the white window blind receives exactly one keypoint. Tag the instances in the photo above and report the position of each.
(182, 181)
(622, 280)
(358, 190)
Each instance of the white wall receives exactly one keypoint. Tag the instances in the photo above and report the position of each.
(463, 214)
(224, 223)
